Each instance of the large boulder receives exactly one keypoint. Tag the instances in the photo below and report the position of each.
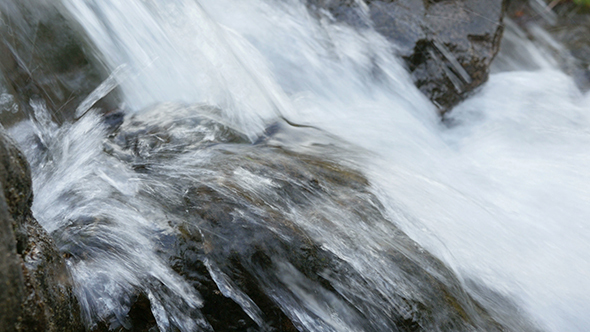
(271, 234)
(447, 45)
(44, 56)
(35, 286)
(219, 233)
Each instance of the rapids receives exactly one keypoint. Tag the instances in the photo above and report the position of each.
(499, 191)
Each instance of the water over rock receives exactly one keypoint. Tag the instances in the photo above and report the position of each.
(45, 57)
(447, 46)
(36, 288)
(568, 38)
(268, 233)
(281, 234)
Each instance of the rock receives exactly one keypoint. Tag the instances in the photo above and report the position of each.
(36, 292)
(45, 57)
(11, 278)
(140, 318)
(568, 24)
(447, 46)
(265, 232)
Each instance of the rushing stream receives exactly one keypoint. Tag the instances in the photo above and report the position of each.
(499, 192)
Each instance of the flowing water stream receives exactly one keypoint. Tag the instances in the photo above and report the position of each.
(500, 192)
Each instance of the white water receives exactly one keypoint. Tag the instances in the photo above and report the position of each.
(502, 196)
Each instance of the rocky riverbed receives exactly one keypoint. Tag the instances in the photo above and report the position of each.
(245, 234)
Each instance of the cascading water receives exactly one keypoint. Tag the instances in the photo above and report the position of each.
(499, 192)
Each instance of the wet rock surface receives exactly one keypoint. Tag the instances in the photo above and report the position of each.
(140, 318)
(44, 57)
(36, 290)
(263, 232)
(568, 24)
(447, 46)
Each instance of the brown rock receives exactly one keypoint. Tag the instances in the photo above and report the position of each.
(36, 293)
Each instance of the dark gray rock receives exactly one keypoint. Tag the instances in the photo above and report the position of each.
(447, 45)
(36, 292)
(241, 241)
(45, 57)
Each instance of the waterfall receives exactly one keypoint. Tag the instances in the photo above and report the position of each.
(499, 191)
